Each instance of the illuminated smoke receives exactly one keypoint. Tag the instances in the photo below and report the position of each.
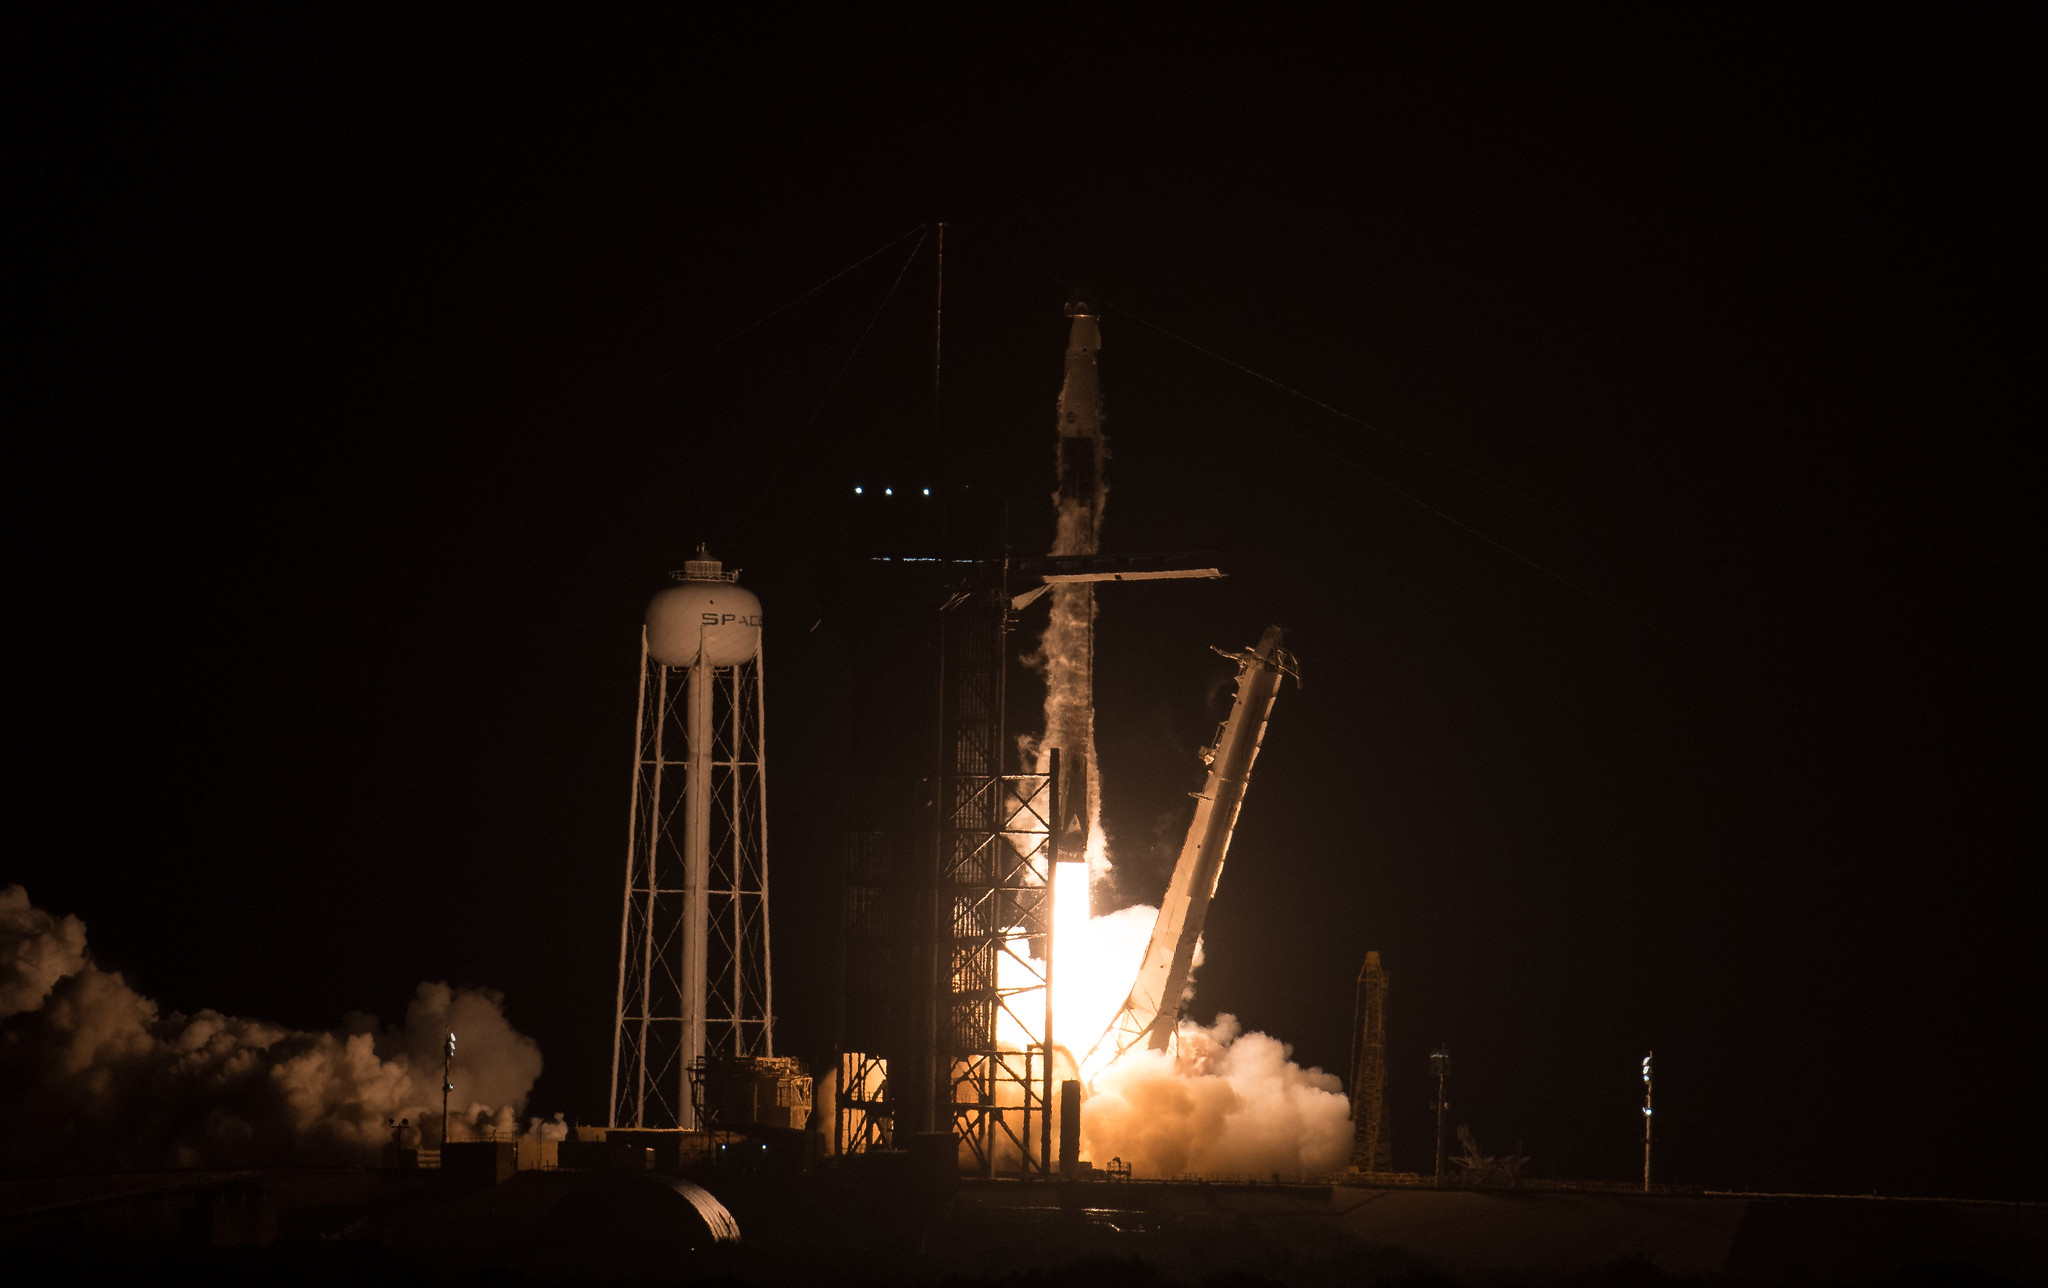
(1098, 957)
(97, 1077)
(36, 950)
(1230, 1103)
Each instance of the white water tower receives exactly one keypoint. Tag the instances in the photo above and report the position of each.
(693, 937)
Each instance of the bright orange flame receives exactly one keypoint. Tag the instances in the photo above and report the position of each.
(1095, 962)
(1070, 948)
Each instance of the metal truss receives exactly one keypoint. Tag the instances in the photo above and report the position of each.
(873, 972)
(693, 936)
(999, 881)
(995, 861)
(865, 1118)
(1370, 1150)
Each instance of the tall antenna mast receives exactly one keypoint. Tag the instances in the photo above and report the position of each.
(938, 331)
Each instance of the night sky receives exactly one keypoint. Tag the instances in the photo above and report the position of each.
(1667, 595)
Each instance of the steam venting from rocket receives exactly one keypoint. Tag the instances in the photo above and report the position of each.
(97, 1077)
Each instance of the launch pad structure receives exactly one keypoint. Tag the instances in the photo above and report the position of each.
(995, 858)
(961, 916)
(1150, 1015)
(947, 1034)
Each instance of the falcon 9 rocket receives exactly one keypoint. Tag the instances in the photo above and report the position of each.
(1068, 649)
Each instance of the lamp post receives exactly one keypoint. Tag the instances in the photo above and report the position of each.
(1440, 1068)
(447, 1085)
(1646, 1123)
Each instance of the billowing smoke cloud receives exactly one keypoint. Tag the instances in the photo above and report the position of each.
(36, 950)
(95, 1076)
(1230, 1103)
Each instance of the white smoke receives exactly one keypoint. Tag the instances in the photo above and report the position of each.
(97, 1077)
(36, 950)
(1229, 1103)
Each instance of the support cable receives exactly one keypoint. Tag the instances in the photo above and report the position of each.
(1385, 482)
(766, 318)
(1309, 398)
(938, 332)
(790, 452)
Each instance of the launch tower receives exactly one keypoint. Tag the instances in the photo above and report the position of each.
(975, 1058)
(693, 935)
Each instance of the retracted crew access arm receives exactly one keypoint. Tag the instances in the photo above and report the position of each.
(1151, 1014)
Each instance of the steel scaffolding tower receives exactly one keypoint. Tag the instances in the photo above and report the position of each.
(693, 935)
(994, 872)
(873, 966)
(1370, 1147)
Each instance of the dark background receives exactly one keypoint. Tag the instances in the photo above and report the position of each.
(360, 419)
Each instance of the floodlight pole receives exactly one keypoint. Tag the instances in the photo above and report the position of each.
(447, 1085)
(1646, 1123)
(1440, 1065)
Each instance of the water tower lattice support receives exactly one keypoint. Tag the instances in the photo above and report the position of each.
(693, 940)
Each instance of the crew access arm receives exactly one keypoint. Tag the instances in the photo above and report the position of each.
(1151, 1014)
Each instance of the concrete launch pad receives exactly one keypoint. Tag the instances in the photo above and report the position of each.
(337, 1225)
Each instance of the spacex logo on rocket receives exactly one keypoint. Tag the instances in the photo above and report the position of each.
(714, 619)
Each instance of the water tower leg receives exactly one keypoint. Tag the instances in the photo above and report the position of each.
(696, 880)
